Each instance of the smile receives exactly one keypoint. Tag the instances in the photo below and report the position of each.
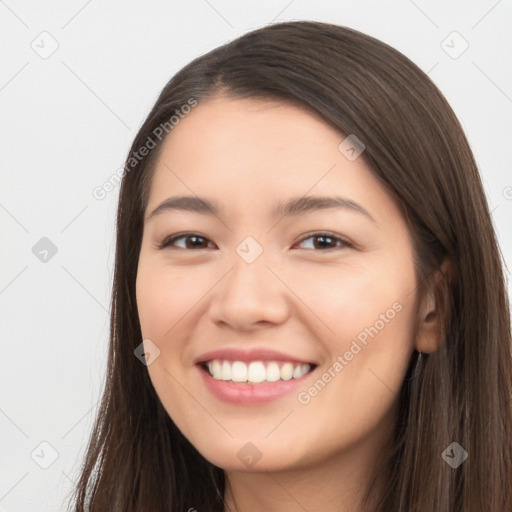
(256, 372)
(252, 383)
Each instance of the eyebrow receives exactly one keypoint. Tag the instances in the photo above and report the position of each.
(292, 207)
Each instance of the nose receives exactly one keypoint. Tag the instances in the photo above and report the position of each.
(250, 296)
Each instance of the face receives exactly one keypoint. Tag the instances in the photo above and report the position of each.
(281, 325)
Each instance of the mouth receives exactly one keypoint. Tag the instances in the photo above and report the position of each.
(254, 382)
(255, 372)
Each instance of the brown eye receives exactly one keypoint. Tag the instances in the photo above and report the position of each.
(326, 241)
(192, 241)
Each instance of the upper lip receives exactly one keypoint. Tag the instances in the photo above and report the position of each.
(248, 355)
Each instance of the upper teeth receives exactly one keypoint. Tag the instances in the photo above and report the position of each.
(257, 371)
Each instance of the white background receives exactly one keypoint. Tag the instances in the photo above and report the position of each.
(66, 125)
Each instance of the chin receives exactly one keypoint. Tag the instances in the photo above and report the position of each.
(251, 456)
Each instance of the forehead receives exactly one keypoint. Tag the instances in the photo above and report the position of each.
(246, 151)
(255, 126)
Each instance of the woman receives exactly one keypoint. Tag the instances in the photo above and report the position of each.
(309, 310)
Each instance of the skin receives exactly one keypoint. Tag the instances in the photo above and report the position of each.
(296, 297)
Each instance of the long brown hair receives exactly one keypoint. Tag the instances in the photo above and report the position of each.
(137, 459)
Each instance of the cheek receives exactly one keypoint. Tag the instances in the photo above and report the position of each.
(166, 295)
(164, 298)
(347, 300)
(367, 330)
(356, 392)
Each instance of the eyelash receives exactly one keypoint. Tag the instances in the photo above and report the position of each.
(344, 243)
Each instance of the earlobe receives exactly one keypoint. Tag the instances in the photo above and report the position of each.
(430, 311)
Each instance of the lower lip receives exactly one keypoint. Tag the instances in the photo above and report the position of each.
(250, 394)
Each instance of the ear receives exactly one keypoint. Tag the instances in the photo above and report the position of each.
(435, 298)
